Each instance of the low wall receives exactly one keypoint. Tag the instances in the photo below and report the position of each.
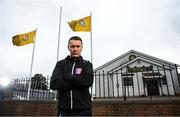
(137, 108)
(100, 108)
(27, 108)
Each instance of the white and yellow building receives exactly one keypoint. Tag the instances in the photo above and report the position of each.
(136, 74)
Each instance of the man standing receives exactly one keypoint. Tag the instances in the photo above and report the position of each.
(72, 77)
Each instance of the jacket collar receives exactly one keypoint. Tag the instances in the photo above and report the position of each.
(74, 58)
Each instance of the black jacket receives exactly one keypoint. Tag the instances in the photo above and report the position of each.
(72, 77)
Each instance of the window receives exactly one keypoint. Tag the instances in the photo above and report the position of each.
(127, 79)
(163, 81)
(179, 79)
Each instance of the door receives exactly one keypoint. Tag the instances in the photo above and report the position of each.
(152, 87)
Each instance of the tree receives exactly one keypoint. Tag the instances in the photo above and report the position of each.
(39, 82)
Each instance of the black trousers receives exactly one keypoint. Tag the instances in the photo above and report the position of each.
(84, 112)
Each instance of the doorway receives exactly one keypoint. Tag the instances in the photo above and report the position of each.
(152, 87)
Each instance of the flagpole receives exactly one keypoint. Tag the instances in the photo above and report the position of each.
(91, 50)
(32, 60)
(56, 94)
(59, 34)
(91, 38)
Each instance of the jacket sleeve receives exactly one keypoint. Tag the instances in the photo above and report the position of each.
(57, 81)
(84, 80)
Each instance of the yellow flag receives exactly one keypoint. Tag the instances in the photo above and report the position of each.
(24, 39)
(81, 25)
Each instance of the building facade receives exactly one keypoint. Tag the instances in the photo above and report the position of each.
(136, 74)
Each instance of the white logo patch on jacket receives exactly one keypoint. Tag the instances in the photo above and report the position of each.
(78, 71)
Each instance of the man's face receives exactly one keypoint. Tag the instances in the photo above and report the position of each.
(75, 48)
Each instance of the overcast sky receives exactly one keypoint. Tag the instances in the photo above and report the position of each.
(148, 26)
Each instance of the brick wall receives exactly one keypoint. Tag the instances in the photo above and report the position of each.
(137, 108)
(27, 108)
(100, 108)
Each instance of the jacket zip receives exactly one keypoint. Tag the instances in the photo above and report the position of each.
(72, 72)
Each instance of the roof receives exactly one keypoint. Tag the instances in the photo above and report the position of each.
(141, 55)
